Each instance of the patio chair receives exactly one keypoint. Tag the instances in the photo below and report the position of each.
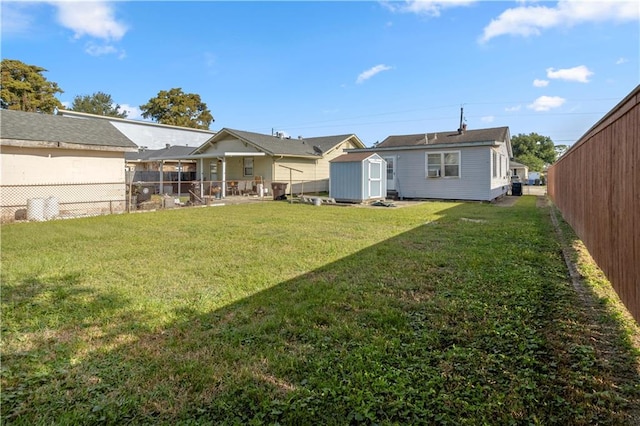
(232, 187)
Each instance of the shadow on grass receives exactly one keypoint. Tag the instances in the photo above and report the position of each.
(467, 319)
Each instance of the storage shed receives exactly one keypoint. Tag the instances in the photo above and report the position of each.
(358, 177)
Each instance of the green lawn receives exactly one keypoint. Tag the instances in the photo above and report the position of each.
(267, 313)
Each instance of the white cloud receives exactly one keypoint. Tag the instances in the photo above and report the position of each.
(365, 75)
(513, 108)
(424, 7)
(621, 61)
(545, 103)
(487, 119)
(133, 113)
(99, 50)
(580, 74)
(94, 19)
(540, 83)
(531, 20)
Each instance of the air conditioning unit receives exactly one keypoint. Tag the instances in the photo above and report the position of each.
(434, 173)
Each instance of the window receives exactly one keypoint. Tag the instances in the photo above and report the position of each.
(434, 165)
(443, 164)
(248, 166)
(213, 170)
(495, 164)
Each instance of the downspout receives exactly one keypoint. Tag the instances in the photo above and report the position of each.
(273, 167)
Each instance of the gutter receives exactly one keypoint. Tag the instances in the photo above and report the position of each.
(428, 147)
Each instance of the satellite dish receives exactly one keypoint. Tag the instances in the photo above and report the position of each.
(317, 149)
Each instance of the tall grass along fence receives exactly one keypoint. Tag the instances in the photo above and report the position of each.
(57, 201)
(596, 186)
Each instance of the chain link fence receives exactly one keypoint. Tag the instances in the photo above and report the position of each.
(52, 201)
(59, 201)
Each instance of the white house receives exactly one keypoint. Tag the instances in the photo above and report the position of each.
(519, 170)
(457, 165)
(77, 163)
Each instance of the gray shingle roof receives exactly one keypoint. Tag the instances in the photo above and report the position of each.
(36, 127)
(274, 145)
(352, 157)
(498, 134)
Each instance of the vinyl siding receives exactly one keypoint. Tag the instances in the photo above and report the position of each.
(500, 183)
(310, 180)
(347, 180)
(474, 182)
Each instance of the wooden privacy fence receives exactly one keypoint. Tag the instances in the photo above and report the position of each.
(596, 186)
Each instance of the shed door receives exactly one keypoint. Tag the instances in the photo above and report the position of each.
(391, 173)
(375, 178)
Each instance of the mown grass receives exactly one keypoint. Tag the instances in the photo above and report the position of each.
(271, 313)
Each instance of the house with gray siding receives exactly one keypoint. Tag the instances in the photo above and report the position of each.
(457, 165)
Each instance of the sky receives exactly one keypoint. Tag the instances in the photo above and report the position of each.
(369, 68)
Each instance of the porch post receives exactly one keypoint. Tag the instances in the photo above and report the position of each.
(201, 178)
(161, 177)
(224, 177)
(179, 178)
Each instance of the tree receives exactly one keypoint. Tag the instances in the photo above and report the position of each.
(178, 109)
(99, 103)
(533, 150)
(24, 88)
(532, 162)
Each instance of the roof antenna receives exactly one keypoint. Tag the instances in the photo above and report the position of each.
(463, 125)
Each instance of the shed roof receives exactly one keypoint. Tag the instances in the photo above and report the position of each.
(353, 157)
(274, 145)
(38, 127)
(495, 134)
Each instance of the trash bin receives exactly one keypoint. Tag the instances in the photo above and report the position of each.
(516, 188)
(279, 190)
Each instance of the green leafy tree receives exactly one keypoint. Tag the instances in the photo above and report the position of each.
(99, 103)
(532, 162)
(24, 88)
(533, 150)
(177, 108)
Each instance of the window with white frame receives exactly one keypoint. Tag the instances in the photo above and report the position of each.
(495, 164)
(443, 164)
(248, 166)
